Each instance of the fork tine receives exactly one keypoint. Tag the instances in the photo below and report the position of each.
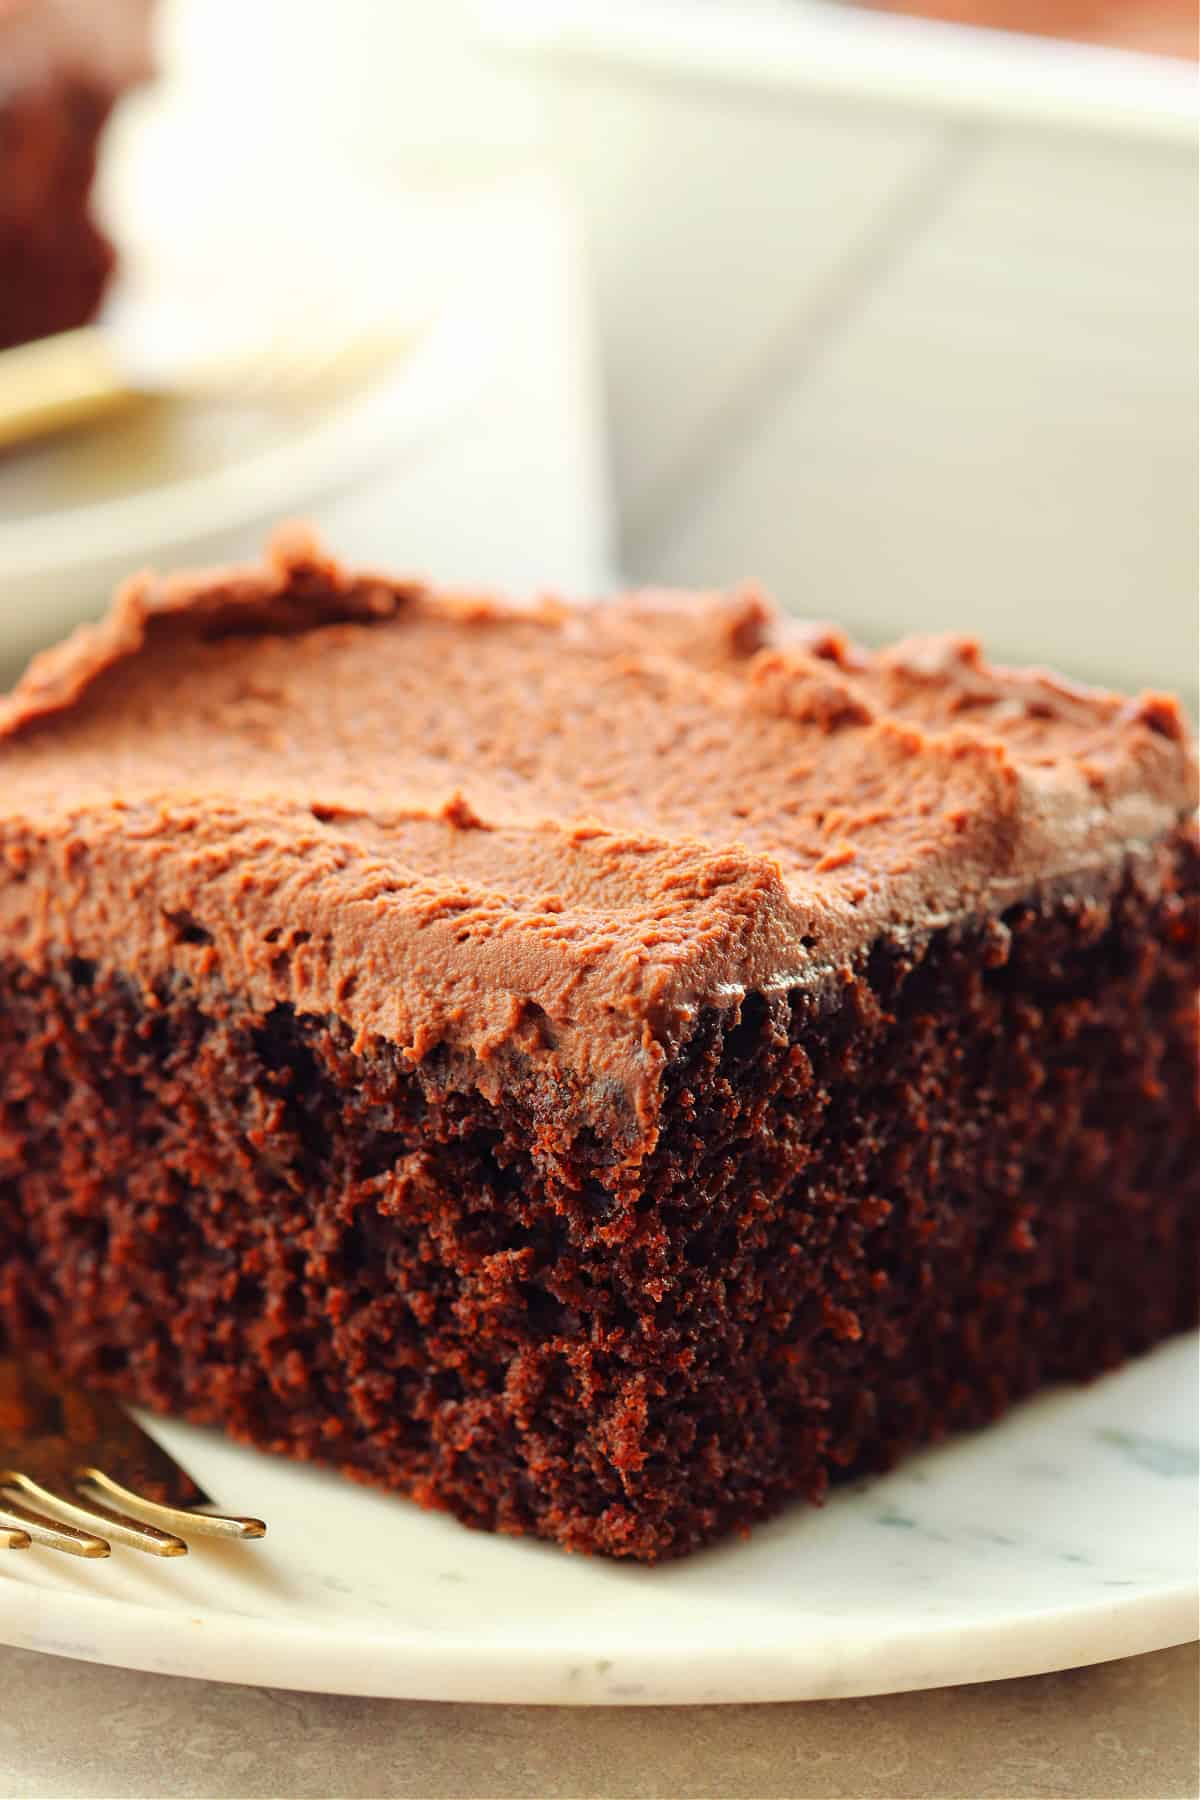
(174, 1517)
(113, 1525)
(50, 1534)
(56, 1444)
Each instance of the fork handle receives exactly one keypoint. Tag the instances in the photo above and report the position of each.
(56, 382)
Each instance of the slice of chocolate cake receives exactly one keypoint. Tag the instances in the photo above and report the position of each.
(606, 1071)
(63, 65)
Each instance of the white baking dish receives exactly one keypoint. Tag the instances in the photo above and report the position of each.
(898, 316)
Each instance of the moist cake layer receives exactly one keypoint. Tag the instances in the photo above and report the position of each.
(545, 836)
(872, 1217)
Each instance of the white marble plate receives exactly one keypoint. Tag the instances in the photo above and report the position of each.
(1065, 1535)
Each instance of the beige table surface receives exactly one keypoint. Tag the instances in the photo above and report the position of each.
(1120, 1731)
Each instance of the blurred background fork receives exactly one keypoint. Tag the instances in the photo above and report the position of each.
(75, 1470)
(80, 377)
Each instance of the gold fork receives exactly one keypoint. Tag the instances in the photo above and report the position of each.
(61, 1448)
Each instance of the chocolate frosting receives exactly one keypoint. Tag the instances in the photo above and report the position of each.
(544, 835)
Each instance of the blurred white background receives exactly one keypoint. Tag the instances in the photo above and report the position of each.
(899, 318)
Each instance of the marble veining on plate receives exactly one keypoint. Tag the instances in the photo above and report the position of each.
(1066, 1534)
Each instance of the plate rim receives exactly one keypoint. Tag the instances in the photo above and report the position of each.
(581, 1657)
(457, 1666)
(425, 392)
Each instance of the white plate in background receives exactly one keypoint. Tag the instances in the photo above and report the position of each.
(180, 484)
(475, 457)
(207, 257)
(1064, 1535)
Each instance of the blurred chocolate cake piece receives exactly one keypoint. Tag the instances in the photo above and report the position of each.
(63, 66)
